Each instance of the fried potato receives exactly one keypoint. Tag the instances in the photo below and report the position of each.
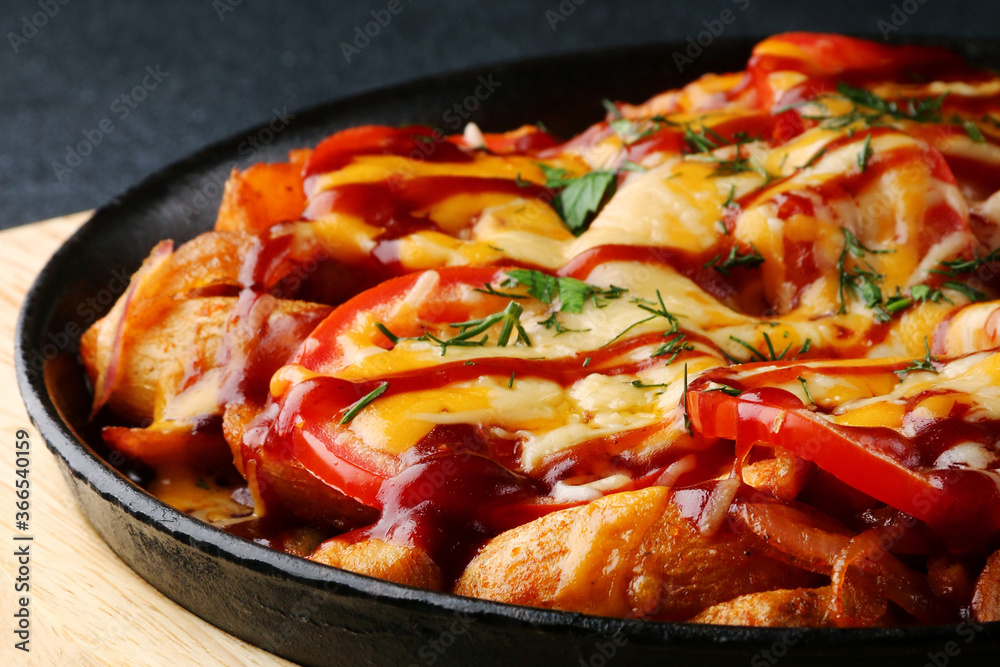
(986, 599)
(385, 560)
(169, 368)
(169, 444)
(627, 554)
(784, 476)
(262, 195)
(156, 359)
(211, 259)
(796, 608)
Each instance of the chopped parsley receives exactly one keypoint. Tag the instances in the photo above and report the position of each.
(758, 355)
(926, 363)
(973, 131)
(674, 346)
(920, 110)
(573, 294)
(865, 154)
(814, 159)
(749, 260)
(509, 318)
(862, 282)
(956, 266)
(553, 322)
(580, 198)
(725, 389)
(360, 405)
(687, 415)
(805, 388)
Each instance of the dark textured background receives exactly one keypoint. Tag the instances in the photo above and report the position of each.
(229, 70)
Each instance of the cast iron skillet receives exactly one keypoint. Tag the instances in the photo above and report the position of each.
(314, 614)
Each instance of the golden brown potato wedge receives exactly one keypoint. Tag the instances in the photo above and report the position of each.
(155, 360)
(385, 560)
(627, 554)
(261, 196)
(986, 599)
(796, 608)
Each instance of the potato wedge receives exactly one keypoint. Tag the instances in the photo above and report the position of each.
(384, 560)
(628, 554)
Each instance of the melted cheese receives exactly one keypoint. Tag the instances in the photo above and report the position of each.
(792, 203)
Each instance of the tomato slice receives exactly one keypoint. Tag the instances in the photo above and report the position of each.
(417, 142)
(959, 502)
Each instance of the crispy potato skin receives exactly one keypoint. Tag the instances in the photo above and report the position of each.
(385, 560)
(784, 476)
(155, 359)
(796, 608)
(986, 599)
(627, 554)
(261, 196)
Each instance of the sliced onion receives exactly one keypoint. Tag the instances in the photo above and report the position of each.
(108, 361)
(803, 539)
(866, 571)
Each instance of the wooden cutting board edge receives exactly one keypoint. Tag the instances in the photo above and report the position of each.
(86, 606)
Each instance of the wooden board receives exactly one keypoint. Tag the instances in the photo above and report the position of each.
(87, 607)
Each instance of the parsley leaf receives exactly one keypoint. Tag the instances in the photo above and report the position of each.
(573, 293)
(865, 154)
(581, 197)
(972, 130)
(858, 280)
(540, 285)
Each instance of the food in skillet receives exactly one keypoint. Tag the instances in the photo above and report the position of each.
(727, 356)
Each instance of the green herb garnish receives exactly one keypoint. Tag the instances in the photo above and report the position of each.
(581, 197)
(360, 405)
(573, 294)
(861, 281)
(805, 388)
(749, 260)
(926, 363)
(865, 154)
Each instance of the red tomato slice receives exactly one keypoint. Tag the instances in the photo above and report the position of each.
(959, 503)
(417, 142)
